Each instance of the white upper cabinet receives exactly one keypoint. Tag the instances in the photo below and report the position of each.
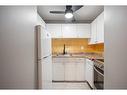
(69, 31)
(83, 30)
(100, 28)
(55, 30)
(97, 30)
(93, 32)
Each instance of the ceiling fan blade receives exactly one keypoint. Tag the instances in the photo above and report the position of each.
(57, 12)
(75, 8)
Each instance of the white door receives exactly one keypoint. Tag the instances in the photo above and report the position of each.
(70, 72)
(80, 69)
(55, 30)
(69, 31)
(83, 30)
(58, 69)
(100, 28)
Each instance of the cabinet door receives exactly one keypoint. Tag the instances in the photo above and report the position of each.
(55, 30)
(100, 28)
(80, 69)
(70, 72)
(69, 31)
(89, 72)
(83, 30)
(93, 32)
(58, 69)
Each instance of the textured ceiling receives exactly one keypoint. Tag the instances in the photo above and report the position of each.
(84, 14)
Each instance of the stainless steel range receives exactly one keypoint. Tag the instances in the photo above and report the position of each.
(99, 73)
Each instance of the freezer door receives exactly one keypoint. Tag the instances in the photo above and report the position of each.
(39, 74)
(44, 73)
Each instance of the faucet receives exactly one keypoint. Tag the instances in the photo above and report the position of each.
(64, 52)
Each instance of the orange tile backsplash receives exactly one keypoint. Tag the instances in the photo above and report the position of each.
(75, 45)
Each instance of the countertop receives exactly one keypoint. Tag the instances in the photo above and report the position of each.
(91, 56)
(84, 55)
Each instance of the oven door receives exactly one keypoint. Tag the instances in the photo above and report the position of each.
(98, 78)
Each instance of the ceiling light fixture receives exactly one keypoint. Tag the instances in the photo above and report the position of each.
(69, 14)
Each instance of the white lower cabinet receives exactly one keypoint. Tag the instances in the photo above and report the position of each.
(68, 69)
(80, 72)
(58, 70)
(90, 72)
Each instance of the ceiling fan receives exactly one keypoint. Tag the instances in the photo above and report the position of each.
(68, 11)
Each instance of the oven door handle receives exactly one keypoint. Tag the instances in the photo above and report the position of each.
(98, 72)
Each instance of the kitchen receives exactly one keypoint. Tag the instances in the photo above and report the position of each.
(77, 47)
(41, 49)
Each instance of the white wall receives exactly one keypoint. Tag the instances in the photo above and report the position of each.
(40, 21)
(115, 47)
(17, 66)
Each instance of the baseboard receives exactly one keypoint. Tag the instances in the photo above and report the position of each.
(67, 81)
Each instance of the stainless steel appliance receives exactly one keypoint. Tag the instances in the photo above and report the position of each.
(99, 74)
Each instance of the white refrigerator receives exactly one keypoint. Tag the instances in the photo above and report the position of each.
(44, 58)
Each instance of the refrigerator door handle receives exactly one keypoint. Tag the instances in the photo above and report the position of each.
(46, 56)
